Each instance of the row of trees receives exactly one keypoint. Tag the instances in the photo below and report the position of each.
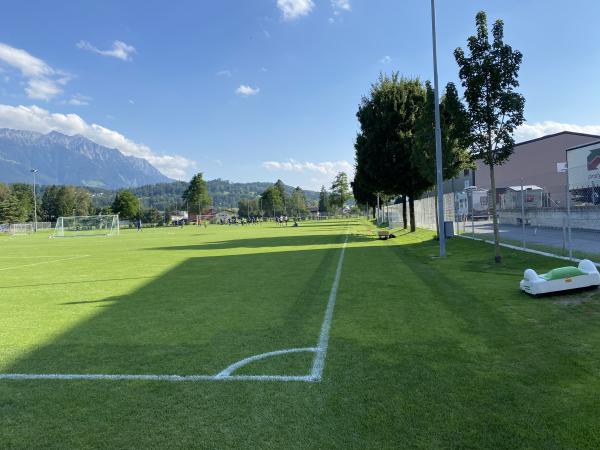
(17, 204)
(395, 148)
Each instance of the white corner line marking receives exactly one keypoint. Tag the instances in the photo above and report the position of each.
(235, 366)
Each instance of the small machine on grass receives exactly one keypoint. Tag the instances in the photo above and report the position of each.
(561, 279)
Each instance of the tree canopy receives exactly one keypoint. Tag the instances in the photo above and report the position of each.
(126, 205)
(196, 194)
(340, 190)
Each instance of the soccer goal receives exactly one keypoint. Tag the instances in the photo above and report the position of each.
(20, 229)
(87, 226)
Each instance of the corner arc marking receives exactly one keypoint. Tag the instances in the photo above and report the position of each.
(239, 364)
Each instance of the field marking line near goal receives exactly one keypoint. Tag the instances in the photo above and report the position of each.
(46, 262)
(226, 374)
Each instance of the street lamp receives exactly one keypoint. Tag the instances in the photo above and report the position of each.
(438, 142)
(34, 171)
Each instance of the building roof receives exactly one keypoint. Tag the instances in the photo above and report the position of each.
(583, 145)
(593, 136)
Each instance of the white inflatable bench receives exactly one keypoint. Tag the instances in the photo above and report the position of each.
(561, 279)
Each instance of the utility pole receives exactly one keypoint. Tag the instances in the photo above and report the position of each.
(35, 227)
(438, 142)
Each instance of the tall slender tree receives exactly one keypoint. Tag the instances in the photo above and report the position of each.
(340, 190)
(196, 194)
(323, 201)
(489, 74)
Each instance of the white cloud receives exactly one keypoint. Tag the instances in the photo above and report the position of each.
(119, 50)
(34, 118)
(294, 9)
(385, 60)
(43, 81)
(341, 5)
(246, 90)
(131, 102)
(79, 100)
(224, 73)
(331, 20)
(538, 129)
(325, 168)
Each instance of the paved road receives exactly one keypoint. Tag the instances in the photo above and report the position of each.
(584, 241)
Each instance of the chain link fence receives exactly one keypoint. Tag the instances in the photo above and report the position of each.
(531, 215)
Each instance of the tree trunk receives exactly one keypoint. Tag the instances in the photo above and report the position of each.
(411, 204)
(404, 218)
(497, 255)
(373, 210)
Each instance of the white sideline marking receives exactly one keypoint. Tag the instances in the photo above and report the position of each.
(141, 377)
(45, 262)
(315, 375)
(319, 361)
(528, 250)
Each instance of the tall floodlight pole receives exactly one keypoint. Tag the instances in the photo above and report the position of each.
(438, 141)
(34, 171)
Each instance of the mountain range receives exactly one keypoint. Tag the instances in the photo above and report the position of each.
(62, 159)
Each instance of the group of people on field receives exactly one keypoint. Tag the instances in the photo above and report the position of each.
(282, 220)
(252, 220)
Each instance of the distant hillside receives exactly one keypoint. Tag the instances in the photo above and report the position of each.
(168, 195)
(62, 159)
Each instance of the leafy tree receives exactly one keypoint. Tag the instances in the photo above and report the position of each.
(83, 201)
(323, 200)
(298, 202)
(196, 194)
(280, 186)
(50, 207)
(4, 192)
(340, 190)
(455, 137)
(489, 75)
(24, 194)
(248, 207)
(363, 194)
(12, 210)
(272, 203)
(126, 205)
(386, 141)
(151, 215)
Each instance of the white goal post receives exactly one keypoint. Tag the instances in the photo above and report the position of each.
(75, 226)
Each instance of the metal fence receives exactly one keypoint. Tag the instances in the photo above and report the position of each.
(553, 219)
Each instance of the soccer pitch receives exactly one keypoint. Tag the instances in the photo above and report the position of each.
(319, 336)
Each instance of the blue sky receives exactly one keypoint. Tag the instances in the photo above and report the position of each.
(253, 90)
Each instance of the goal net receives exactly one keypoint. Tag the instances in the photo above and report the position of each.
(18, 229)
(87, 226)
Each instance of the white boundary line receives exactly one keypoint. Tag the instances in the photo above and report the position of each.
(226, 374)
(319, 361)
(45, 262)
(527, 250)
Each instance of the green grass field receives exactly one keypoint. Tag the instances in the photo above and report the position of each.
(422, 352)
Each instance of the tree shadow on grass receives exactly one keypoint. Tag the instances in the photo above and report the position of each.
(271, 242)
